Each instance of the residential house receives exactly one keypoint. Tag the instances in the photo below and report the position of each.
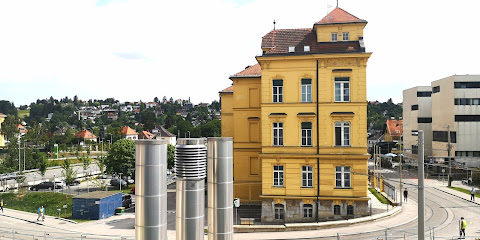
(129, 133)
(162, 133)
(299, 123)
(21, 130)
(393, 130)
(85, 136)
(145, 135)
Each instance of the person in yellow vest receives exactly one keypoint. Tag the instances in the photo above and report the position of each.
(463, 226)
(1, 204)
(41, 213)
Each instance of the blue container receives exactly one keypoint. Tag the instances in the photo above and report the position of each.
(96, 205)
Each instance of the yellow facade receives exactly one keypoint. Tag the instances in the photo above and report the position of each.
(322, 134)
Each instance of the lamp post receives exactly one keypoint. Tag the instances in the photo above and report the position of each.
(120, 181)
(54, 182)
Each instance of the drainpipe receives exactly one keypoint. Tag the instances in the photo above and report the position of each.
(318, 149)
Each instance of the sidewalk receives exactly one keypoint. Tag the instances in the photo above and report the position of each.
(123, 225)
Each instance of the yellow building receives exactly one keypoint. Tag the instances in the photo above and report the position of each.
(301, 150)
(2, 137)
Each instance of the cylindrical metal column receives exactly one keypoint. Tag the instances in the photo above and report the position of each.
(151, 189)
(191, 170)
(220, 188)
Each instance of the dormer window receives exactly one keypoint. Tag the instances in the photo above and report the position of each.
(345, 36)
(306, 48)
(334, 37)
(291, 49)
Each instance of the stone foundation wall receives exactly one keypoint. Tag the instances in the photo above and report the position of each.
(294, 210)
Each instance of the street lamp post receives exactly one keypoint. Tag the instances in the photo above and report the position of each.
(54, 182)
(120, 181)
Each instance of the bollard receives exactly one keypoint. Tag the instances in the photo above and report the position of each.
(220, 188)
(151, 189)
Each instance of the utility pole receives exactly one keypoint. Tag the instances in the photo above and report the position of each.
(400, 167)
(449, 159)
(421, 193)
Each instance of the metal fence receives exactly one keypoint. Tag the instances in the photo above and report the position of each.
(390, 191)
(12, 233)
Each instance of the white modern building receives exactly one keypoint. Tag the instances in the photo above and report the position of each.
(454, 117)
(417, 115)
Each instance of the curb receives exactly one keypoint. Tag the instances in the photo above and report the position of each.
(456, 195)
(31, 221)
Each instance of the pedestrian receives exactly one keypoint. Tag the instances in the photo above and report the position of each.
(405, 195)
(1, 205)
(41, 213)
(472, 194)
(463, 226)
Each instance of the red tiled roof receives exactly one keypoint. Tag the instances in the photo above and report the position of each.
(278, 41)
(21, 128)
(85, 134)
(250, 71)
(339, 15)
(227, 90)
(2, 115)
(395, 127)
(128, 131)
(145, 135)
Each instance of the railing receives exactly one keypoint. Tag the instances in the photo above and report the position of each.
(12, 233)
(390, 191)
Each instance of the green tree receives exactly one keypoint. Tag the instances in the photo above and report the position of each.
(68, 172)
(121, 158)
(42, 162)
(170, 156)
(9, 127)
(101, 164)
(86, 162)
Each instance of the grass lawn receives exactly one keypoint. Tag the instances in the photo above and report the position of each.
(23, 113)
(31, 201)
(124, 190)
(464, 191)
(379, 196)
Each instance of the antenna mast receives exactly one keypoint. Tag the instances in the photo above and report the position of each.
(274, 24)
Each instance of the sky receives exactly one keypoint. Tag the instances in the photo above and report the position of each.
(139, 50)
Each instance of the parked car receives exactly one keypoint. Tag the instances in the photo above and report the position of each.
(116, 182)
(9, 176)
(127, 201)
(60, 183)
(45, 185)
(75, 182)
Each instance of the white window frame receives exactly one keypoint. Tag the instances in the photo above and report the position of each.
(277, 92)
(343, 177)
(308, 211)
(278, 175)
(342, 89)
(345, 36)
(306, 93)
(277, 134)
(306, 135)
(334, 37)
(307, 176)
(345, 132)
